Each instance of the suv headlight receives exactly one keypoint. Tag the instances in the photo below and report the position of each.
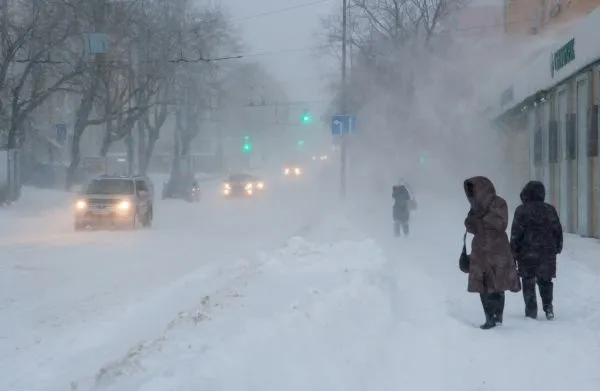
(124, 206)
(81, 205)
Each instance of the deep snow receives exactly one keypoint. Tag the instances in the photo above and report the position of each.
(331, 311)
(317, 295)
(71, 301)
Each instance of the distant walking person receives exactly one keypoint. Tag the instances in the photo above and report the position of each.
(492, 269)
(536, 239)
(401, 209)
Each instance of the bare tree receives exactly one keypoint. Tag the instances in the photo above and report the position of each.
(34, 35)
(211, 35)
(395, 45)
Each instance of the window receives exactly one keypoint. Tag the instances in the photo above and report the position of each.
(110, 186)
(140, 185)
(571, 137)
(593, 133)
(553, 142)
(537, 147)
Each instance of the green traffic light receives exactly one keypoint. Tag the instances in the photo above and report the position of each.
(247, 146)
(306, 118)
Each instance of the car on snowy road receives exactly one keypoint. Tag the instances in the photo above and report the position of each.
(242, 185)
(116, 202)
(292, 170)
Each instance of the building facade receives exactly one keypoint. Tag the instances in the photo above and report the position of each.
(478, 20)
(530, 17)
(552, 107)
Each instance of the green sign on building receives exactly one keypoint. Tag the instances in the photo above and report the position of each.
(562, 56)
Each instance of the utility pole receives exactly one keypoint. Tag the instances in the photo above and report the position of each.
(343, 146)
(130, 127)
(144, 58)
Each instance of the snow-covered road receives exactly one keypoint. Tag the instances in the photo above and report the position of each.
(72, 301)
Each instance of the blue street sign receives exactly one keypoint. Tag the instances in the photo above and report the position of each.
(343, 124)
(96, 43)
(61, 133)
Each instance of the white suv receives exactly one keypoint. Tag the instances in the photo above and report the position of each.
(122, 202)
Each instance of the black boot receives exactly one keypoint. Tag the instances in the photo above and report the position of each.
(499, 314)
(490, 322)
(488, 308)
(546, 288)
(530, 298)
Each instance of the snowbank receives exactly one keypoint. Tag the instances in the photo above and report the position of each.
(343, 316)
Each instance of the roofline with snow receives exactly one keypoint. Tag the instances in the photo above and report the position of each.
(539, 76)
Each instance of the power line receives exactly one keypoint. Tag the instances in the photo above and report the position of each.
(280, 10)
(284, 51)
(464, 31)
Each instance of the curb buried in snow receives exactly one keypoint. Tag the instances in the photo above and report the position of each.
(296, 253)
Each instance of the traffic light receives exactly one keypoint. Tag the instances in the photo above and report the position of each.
(306, 117)
(247, 146)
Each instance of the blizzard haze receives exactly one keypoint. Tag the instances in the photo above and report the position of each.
(252, 272)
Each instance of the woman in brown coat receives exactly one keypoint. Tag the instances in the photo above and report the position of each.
(492, 269)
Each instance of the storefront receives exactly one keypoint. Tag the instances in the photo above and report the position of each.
(558, 96)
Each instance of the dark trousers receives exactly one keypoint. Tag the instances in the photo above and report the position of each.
(546, 288)
(401, 224)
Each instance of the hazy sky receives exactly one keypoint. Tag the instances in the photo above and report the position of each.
(282, 30)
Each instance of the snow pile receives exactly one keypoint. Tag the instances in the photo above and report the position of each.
(294, 302)
(343, 316)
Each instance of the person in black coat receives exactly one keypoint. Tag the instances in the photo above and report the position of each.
(401, 209)
(536, 240)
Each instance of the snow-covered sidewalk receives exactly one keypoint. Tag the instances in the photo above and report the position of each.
(334, 311)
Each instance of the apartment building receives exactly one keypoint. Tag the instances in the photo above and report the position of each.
(531, 17)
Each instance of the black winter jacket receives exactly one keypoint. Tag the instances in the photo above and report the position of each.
(536, 232)
(401, 198)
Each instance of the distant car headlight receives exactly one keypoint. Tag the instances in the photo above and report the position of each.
(124, 206)
(227, 186)
(81, 205)
(297, 171)
(226, 191)
(286, 171)
(324, 157)
(248, 186)
(260, 185)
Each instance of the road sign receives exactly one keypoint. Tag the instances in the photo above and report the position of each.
(343, 124)
(61, 133)
(96, 43)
